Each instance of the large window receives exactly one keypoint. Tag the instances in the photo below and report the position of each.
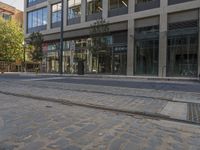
(56, 13)
(74, 9)
(37, 20)
(146, 50)
(34, 2)
(118, 3)
(182, 48)
(94, 6)
(141, 5)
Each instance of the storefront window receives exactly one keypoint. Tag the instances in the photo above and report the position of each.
(146, 50)
(182, 49)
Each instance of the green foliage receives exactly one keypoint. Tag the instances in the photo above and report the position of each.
(36, 40)
(11, 41)
(98, 32)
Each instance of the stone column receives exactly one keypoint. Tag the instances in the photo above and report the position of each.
(130, 50)
(163, 40)
(199, 48)
(105, 9)
(49, 16)
(83, 10)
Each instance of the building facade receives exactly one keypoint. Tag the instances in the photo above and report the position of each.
(8, 12)
(146, 38)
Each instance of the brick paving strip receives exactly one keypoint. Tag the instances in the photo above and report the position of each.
(153, 107)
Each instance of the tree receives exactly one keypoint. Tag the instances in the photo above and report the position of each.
(98, 32)
(36, 41)
(11, 41)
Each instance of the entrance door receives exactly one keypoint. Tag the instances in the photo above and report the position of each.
(104, 62)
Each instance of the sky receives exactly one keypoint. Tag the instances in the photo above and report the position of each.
(19, 4)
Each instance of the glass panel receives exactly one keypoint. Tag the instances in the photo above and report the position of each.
(45, 13)
(56, 13)
(74, 9)
(94, 6)
(39, 17)
(146, 48)
(182, 55)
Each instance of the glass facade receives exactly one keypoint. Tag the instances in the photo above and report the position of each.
(146, 50)
(34, 2)
(94, 6)
(114, 4)
(74, 9)
(107, 61)
(56, 15)
(182, 49)
(37, 20)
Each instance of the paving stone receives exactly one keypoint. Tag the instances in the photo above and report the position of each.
(116, 144)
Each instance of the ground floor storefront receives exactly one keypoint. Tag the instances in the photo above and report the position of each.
(182, 54)
(139, 47)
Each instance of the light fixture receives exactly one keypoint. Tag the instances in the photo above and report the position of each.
(100, 8)
(124, 4)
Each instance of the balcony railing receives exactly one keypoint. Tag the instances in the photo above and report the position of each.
(55, 24)
(147, 5)
(172, 2)
(74, 20)
(29, 4)
(117, 11)
(94, 16)
(37, 29)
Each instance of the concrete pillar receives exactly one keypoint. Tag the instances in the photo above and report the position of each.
(130, 50)
(83, 10)
(199, 48)
(131, 6)
(49, 16)
(65, 13)
(105, 9)
(163, 40)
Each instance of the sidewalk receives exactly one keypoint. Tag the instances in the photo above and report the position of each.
(105, 76)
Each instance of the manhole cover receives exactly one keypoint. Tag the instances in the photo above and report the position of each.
(194, 112)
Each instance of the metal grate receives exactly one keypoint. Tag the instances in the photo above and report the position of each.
(194, 112)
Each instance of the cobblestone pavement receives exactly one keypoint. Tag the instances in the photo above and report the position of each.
(130, 99)
(28, 124)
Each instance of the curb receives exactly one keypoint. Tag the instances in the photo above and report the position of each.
(115, 77)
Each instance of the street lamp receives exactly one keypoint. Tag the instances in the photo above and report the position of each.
(24, 56)
(61, 38)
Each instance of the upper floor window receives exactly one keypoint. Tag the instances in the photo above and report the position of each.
(6, 16)
(34, 2)
(94, 6)
(56, 12)
(142, 5)
(118, 3)
(74, 9)
(143, 1)
(37, 19)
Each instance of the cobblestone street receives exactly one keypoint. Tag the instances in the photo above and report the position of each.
(30, 123)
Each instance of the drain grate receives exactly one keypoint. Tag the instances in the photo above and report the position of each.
(194, 112)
